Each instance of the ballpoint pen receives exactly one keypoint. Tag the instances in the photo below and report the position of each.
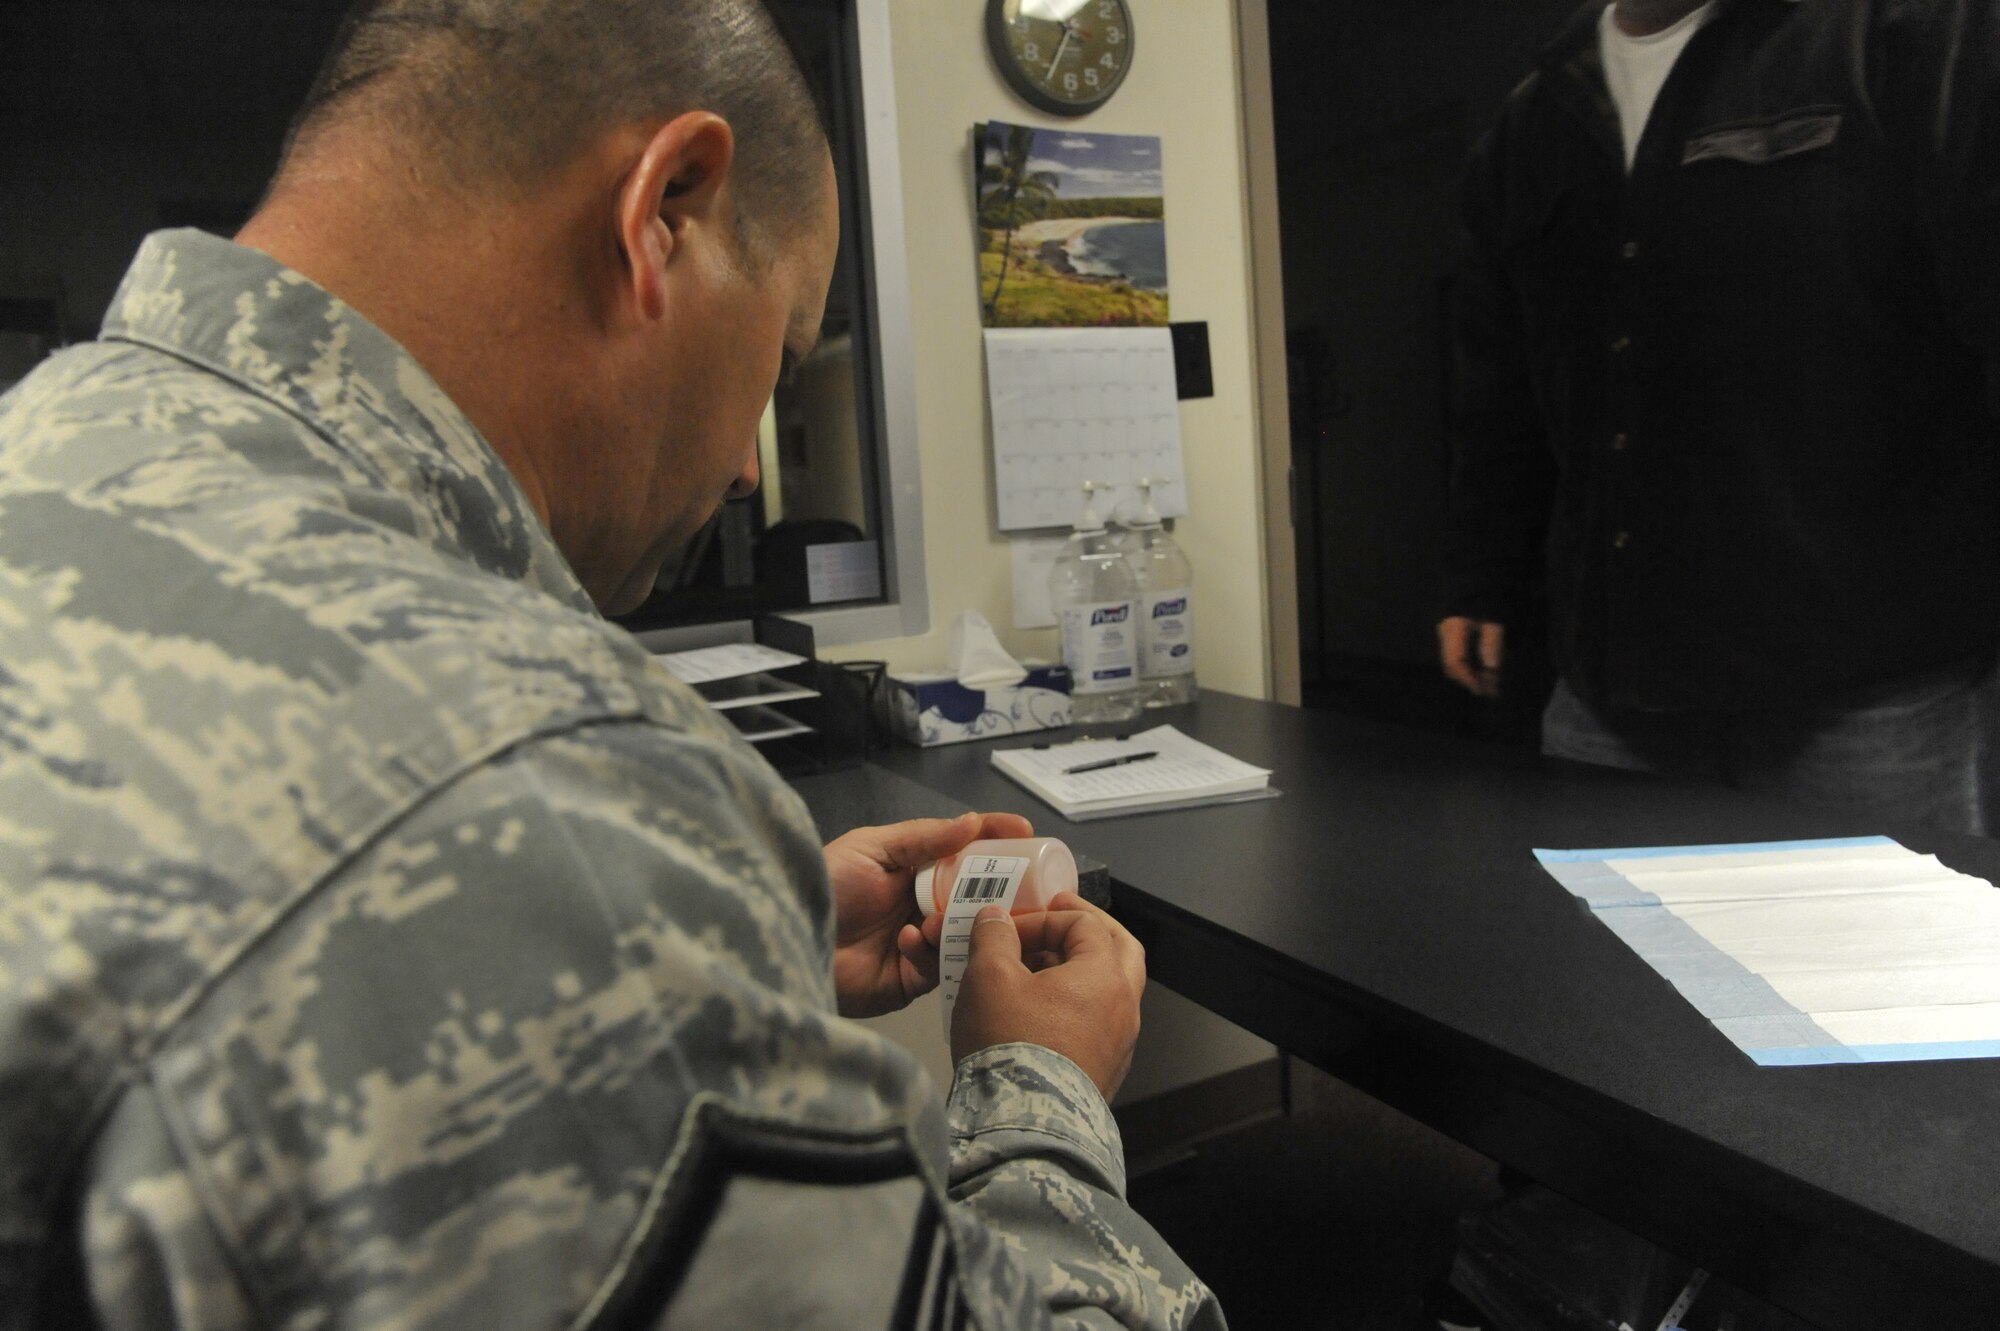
(1103, 763)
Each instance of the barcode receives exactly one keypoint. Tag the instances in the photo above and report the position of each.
(981, 889)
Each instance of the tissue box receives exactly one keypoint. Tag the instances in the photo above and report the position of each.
(934, 708)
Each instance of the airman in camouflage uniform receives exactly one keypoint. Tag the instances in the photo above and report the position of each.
(386, 941)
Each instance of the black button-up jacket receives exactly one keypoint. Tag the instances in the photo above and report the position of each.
(1739, 408)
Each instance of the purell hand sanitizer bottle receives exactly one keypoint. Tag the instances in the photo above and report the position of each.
(1096, 603)
(1165, 581)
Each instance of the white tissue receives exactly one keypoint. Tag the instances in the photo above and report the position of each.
(977, 658)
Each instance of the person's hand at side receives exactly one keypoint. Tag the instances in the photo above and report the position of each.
(881, 959)
(1471, 651)
(1068, 978)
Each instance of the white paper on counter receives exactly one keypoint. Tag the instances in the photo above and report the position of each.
(1849, 950)
(726, 662)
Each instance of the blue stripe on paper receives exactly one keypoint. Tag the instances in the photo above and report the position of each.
(1929, 1051)
(1668, 852)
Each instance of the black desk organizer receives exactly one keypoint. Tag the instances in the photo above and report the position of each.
(823, 704)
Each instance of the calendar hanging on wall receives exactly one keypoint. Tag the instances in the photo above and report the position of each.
(1077, 404)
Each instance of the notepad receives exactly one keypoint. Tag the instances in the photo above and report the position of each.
(1183, 774)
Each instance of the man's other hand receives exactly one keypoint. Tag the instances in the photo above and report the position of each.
(881, 959)
(1471, 651)
(1068, 978)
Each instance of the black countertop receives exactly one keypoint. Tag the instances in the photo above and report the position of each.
(1387, 920)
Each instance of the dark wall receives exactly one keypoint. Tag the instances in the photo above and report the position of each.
(1377, 103)
(119, 118)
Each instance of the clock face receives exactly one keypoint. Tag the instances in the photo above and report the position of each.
(1064, 56)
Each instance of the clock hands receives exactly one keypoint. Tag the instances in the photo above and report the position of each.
(1061, 46)
(1070, 29)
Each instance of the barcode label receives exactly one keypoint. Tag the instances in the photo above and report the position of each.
(981, 889)
(982, 881)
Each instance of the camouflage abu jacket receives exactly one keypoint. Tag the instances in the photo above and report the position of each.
(386, 942)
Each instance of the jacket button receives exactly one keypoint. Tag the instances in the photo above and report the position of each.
(1620, 343)
(1631, 249)
(1618, 442)
(1618, 541)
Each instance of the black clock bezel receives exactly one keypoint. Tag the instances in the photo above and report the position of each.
(1024, 84)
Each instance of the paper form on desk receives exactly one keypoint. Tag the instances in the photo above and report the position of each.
(1183, 773)
(726, 662)
(1853, 950)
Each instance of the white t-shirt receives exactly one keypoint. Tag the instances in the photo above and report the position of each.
(1637, 68)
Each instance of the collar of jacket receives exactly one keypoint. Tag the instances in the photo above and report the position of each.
(1572, 64)
(1581, 29)
(239, 313)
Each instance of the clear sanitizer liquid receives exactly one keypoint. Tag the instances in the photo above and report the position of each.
(1096, 601)
(1165, 582)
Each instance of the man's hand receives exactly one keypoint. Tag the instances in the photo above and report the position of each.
(881, 959)
(1068, 978)
(1471, 651)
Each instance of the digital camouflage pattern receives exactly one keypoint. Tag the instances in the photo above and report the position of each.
(386, 941)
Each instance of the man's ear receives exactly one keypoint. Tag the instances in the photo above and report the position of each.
(673, 197)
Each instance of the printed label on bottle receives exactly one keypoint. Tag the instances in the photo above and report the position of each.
(1166, 633)
(1101, 646)
(983, 880)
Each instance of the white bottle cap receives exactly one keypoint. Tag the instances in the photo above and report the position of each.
(927, 890)
(1088, 520)
(1149, 515)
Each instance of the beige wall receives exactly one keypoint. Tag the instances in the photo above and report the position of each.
(1183, 87)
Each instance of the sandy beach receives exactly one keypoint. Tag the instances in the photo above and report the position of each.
(1065, 229)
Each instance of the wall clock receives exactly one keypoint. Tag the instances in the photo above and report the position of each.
(1062, 56)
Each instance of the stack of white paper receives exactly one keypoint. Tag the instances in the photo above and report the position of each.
(1850, 950)
(726, 662)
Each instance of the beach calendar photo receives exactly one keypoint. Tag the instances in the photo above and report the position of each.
(1072, 228)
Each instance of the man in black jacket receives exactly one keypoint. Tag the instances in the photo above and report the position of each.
(1729, 354)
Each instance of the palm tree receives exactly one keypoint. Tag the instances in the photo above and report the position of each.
(1016, 194)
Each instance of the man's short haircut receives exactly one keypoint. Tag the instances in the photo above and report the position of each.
(502, 93)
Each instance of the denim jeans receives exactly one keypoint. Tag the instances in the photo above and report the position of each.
(1918, 753)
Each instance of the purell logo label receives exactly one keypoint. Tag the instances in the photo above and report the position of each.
(1163, 609)
(1109, 616)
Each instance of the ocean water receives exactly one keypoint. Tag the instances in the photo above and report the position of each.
(1135, 251)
